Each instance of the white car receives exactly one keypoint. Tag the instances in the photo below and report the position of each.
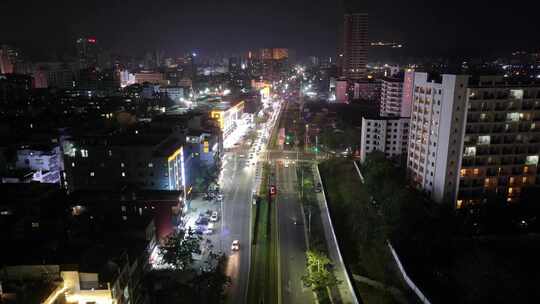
(235, 245)
(209, 229)
(214, 217)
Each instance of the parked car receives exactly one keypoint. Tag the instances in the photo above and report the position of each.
(202, 221)
(235, 245)
(214, 217)
(209, 229)
(199, 230)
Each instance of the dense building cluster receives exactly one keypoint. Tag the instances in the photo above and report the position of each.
(102, 151)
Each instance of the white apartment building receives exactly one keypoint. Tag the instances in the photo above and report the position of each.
(437, 128)
(391, 98)
(502, 140)
(470, 138)
(388, 135)
(44, 159)
(46, 162)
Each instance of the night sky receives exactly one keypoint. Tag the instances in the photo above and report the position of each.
(426, 27)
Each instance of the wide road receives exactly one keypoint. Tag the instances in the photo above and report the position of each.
(237, 184)
(292, 241)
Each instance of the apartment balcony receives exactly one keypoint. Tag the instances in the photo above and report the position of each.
(496, 141)
(482, 151)
(527, 106)
(533, 149)
(499, 118)
(517, 171)
(507, 161)
(508, 150)
(491, 172)
(487, 95)
(498, 129)
(521, 150)
(494, 150)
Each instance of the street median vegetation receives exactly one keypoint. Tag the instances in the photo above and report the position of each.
(323, 279)
(263, 279)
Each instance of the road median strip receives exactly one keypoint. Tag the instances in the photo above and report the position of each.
(262, 284)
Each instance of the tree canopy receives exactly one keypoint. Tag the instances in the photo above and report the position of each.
(179, 248)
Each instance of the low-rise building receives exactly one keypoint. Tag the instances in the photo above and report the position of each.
(91, 254)
(150, 77)
(147, 161)
(176, 93)
(385, 134)
(46, 161)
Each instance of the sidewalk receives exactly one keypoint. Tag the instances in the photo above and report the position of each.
(210, 243)
(345, 288)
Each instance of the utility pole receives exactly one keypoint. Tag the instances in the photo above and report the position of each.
(316, 146)
(309, 220)
(302, 183)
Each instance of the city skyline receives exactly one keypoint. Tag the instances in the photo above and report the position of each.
(272, 152)
(239, 25)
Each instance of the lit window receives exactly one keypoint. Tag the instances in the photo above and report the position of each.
(484, 140)
(73, 164)
(463, 172)
(150, 165)
(470, 151)
(476, 171)
(92, 173)
(510, 190)
(122, 165)
(524, 180)
(516, 94)
(84, 153)
(532, 160)
(513, 116)
(459, 204)
(123, 174)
